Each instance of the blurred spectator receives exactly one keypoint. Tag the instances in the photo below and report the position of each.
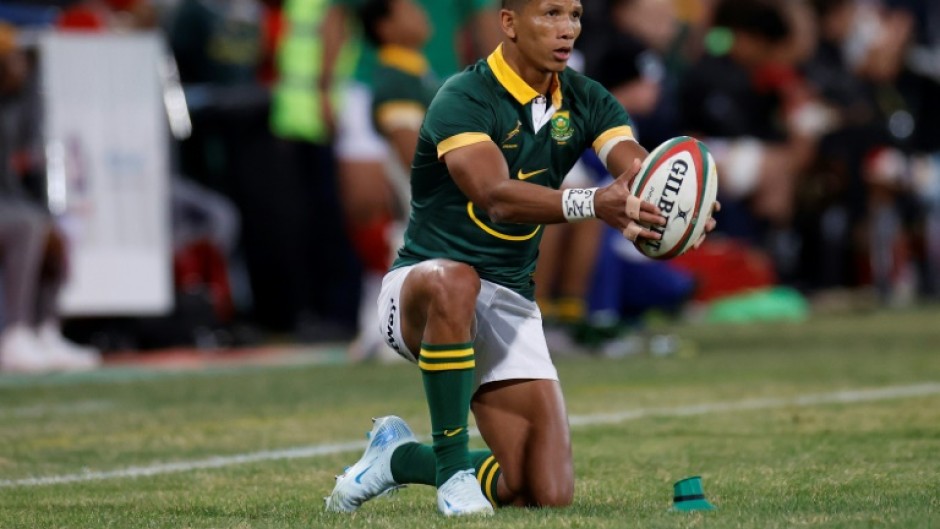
(404, 86)
(740, 98)
(298, 201)
(219, 46)
(633, 66)
(586, 278)
(366, 192)
(33, 255)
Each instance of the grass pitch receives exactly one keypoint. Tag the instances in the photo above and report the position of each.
(830, 423)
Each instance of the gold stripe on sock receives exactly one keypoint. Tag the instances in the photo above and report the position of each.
(482, 471)
(469, 364)
(455, 353)
(489, 483)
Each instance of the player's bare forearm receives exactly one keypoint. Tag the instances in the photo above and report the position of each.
(622, 157)
(404, 141)
(480, 171)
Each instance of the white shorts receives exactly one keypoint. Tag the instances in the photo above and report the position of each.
(508, 342)
(356, 137)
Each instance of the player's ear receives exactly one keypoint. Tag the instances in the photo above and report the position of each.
(507, 21)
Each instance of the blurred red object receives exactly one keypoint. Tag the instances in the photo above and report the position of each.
(273, 29)
(122, 5)
(200, 265)
(81, 19)
(724, 267)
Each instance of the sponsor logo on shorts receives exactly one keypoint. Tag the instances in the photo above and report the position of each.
(390, 328)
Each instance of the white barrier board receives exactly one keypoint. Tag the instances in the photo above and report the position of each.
(108, 176)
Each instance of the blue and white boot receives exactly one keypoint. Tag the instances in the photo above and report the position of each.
(371, 476)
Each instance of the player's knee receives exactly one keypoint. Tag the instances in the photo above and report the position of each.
(552, 494)
(453, 288)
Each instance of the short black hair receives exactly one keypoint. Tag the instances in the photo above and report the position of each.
(371, 13)
(758, 17)
(514, 5)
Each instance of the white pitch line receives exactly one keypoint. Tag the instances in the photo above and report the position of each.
(838, 397)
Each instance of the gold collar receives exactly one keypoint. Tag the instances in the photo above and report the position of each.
(514, 84)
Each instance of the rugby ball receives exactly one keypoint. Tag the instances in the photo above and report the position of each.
(680, 177)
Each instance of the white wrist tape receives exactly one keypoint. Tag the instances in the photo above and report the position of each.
(578, 203)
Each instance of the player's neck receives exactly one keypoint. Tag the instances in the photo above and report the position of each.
(538, 79)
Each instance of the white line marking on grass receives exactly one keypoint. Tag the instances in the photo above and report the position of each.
(844, 397)
(185, 466)
(38, 410)
(838, 397)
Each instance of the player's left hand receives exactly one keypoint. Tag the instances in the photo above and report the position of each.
(710, 225)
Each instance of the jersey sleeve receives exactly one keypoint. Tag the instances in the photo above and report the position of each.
(397, 102)
(610, 121)
(458, 117)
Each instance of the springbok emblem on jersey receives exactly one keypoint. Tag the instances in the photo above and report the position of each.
(512, 134)
(561, 126)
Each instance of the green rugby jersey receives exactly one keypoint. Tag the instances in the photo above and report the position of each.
(490, 102)
(403, 87)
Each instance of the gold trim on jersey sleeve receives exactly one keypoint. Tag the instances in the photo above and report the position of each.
(615, 133)
(495, 233)
(399, 114)
(460, 140)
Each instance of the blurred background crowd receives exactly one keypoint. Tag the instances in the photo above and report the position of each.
(821, 115)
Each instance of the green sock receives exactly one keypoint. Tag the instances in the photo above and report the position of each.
(487, 472)
(415, 463)
(447, 371)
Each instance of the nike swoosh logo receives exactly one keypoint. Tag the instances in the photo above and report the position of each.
(358, 477)
(451, 433)
(526, 176)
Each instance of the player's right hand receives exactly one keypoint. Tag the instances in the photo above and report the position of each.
(617, 206)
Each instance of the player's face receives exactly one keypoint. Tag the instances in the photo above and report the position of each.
(410, 22)
(545, 31)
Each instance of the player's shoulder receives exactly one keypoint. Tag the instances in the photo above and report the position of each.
(468, 90)
(473, 80)
(385, 75)
(577, 83)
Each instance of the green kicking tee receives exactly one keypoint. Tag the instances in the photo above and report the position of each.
(490, 102)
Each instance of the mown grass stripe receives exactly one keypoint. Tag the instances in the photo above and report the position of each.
(837, 397)
(38, 410)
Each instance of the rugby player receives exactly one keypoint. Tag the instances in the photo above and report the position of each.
(494, 147)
